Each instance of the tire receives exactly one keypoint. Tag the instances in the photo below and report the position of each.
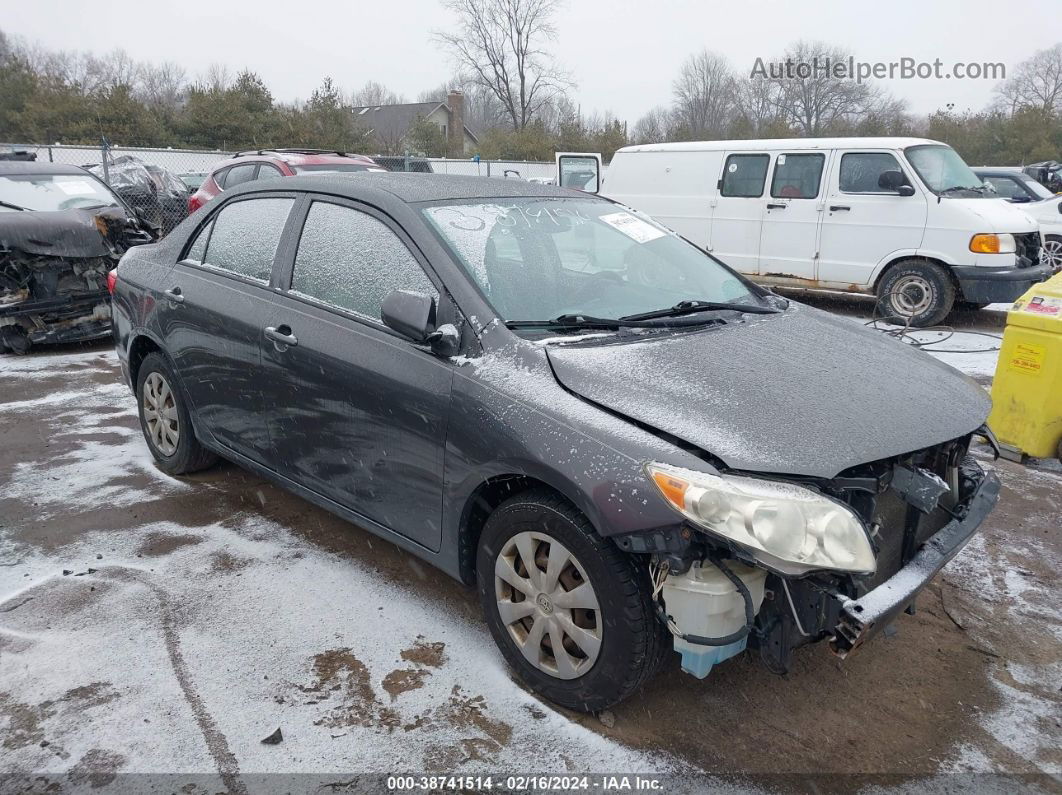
(164, 419)
(632, 641)
(1051, 253)
(916, 292)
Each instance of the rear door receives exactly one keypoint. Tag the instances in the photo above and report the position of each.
(356, 412)
(791, 214)
(738, 213)
(864, 224)
(215, 303)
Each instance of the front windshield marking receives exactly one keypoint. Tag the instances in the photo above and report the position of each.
(545, 258)
(941, 168)
(53, 192)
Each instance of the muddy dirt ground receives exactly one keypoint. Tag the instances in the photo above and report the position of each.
(149, 624)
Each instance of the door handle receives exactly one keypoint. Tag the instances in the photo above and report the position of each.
(281, 335)
(777, 206)
(174, 294)
(836, 208)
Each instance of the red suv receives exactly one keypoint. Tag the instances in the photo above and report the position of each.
(269, 163)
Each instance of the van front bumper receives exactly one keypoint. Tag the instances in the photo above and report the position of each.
(861, 619)
(980, 285)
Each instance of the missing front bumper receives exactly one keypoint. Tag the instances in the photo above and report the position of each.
(861, 619)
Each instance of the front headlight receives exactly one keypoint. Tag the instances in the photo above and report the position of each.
(786, 527)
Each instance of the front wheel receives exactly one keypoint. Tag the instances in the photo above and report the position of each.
(916, 293)
(571, 613)
(1051, 253)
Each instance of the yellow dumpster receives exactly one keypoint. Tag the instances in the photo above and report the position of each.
(1027, 391)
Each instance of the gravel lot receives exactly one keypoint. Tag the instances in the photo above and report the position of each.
(150, 625)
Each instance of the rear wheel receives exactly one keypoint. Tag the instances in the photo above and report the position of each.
(164, 419)
(916, 293)
(571, 613)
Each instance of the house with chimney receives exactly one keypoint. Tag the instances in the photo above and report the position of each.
(389, 125)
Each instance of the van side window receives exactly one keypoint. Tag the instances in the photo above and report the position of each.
(744, 176)
(351, 260)
(860, 171)
(797, 176)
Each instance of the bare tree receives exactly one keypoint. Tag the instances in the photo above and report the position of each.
(117, 68)
(756, 106)
(654, 127)
(704, 95)
(1037, 83)
(373, 93)
(162, 85)
(217, 78)
(819, 101)
(500, 43)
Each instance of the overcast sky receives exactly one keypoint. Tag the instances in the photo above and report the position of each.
(622, 54)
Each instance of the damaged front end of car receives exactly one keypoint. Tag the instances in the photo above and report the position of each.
(53, 273)
(778, 563)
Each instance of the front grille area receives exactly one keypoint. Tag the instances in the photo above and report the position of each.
(1027, 249)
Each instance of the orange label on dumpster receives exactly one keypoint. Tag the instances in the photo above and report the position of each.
(1027, 358)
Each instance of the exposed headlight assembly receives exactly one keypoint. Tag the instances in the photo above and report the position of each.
(786, 527)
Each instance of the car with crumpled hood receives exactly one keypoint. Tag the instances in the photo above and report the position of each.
(61, 231)
(628, 448)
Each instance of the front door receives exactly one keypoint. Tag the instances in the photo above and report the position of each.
(866, 220)
(355, 412)
(211, 317)
(791, 214)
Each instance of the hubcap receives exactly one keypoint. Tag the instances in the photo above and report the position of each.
(1051, 254)
(911, 295)
(547, 604)
(160, 414)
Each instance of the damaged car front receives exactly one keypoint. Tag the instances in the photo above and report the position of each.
(784, 475)
(61, 231)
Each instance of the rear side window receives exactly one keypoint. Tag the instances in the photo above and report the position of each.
(797, 176)
(1006, 187)
(744, 175)
(244, 237)
(198, 248)
(266, 171)
(860, 171)
(238, 175)
(351, 260)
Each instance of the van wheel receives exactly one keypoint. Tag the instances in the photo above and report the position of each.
(916, 292)
(571, 612)
(164, 419)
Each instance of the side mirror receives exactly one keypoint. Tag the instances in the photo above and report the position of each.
(445, 341)
(895, 181)
(410, 314)
(1059, 206)
(581, 171)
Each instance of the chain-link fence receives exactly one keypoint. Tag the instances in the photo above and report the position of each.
(157, 182)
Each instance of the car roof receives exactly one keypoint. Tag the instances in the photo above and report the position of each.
(411, 188)
(36, 167)
(788, 144)
(292, 158)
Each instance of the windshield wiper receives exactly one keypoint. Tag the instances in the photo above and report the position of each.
(11, 206)
(571, 322)
(974, 188)
(690, 307)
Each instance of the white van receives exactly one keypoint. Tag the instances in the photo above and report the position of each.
(901, 218)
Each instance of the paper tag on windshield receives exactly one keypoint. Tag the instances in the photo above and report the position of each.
(633, 227)
(78, 188)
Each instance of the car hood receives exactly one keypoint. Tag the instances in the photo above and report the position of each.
(63, 233)
(997, 215)
(799, 393)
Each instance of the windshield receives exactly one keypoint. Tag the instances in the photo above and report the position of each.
(540, 259)
(336, 168)
(50, 192)
(943, 171)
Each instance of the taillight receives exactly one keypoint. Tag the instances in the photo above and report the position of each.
(112, 280)
(193, 204)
